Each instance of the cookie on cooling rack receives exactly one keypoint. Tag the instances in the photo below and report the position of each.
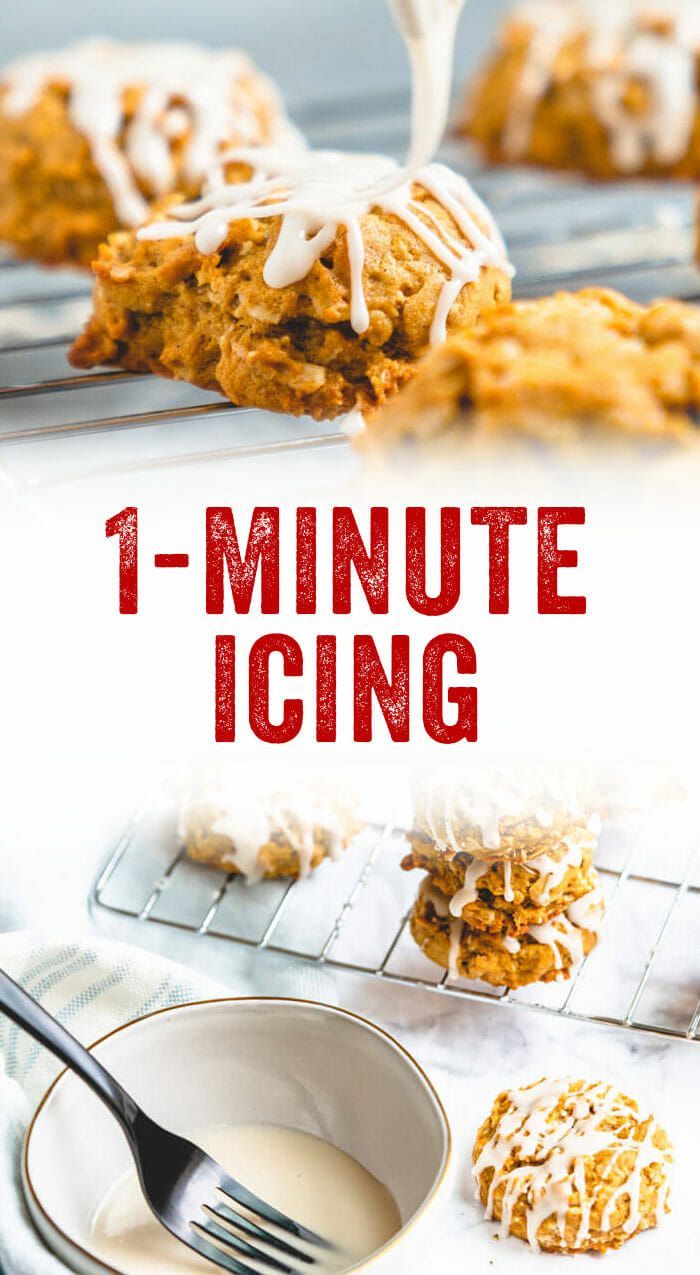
(610, 89)
(590, 365)
(572, 1166)
(291, 311)
(508, 898)
(550, 952)
(507, 848)
(256, 826)
(67, 180)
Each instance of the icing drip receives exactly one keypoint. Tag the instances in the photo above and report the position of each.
(315, 193)
(249, 812)
(440, 907)
(198, 97)
(558, 934)
(553, 1153)
(429, 28)
(655, 42)
(588, 912)
(470, 891)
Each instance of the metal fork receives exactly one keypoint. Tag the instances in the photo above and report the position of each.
(186, 1190)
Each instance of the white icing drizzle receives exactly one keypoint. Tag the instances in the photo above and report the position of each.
(557, 934)
(469, 892)
(314, 193)
(623, 44)
(558, 1151)
(589, 911)
(249, 810)
(197, 95)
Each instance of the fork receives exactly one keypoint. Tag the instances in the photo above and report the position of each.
(182, 1185)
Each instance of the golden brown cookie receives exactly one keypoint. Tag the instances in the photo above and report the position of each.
(212, 319)
(275, 858)
(608, 90)
(260, 827)
(556, 369)
(501, 898)
(62, 192)
(541, 954)
(572, 1166)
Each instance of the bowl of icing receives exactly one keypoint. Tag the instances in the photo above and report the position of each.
(317, 1110)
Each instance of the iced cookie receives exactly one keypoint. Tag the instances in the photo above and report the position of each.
(609, 88)
(572, 1166)
(312, 287)
(91, 134)
(257, 827)
(545, 953)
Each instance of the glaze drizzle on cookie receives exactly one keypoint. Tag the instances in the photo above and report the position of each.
(541, 1147)
(195, 98)
(654, 42)
(315, 193)
(250, 811)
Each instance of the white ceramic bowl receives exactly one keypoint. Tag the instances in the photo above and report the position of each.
(250, 1061)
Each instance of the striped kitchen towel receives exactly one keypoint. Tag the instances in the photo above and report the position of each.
(92, 989)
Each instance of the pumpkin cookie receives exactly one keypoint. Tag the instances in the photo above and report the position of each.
(252, 826)
(558, 369)
(545, 953)
(572, 1166)
(93, 133)
(308, 288)
(610, 89)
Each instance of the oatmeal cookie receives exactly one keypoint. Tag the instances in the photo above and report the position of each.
(542, 954)
(245, 312)
(610, 89)
(509, 848)
(252, 826)
(572, 1166)
(556, 370)
(507, 898)
(68, 180)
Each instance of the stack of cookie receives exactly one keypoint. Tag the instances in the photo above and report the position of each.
(511, 896)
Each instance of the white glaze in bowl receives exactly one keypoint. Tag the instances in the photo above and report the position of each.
(250, 1061)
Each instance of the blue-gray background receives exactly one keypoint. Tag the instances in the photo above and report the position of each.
(315, 48)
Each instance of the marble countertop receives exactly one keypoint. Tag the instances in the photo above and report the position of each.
(470, 1050)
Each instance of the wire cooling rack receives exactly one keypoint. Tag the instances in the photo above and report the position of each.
(561, 232)
(353, 916)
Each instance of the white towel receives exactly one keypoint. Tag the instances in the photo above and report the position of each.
(91, 989)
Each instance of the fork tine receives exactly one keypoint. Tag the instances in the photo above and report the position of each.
(224, 1213)
(241, 1195)
(238, 1246)
(216, 1255)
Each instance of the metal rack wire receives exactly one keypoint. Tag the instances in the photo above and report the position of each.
(353, 916)
(561, 232)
